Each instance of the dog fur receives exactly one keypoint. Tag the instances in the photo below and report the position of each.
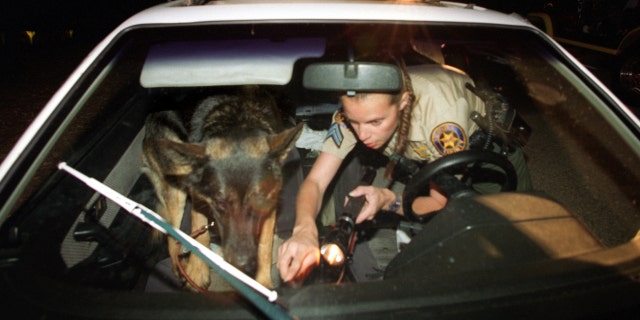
(228, 161)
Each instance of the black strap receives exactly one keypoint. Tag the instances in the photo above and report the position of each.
(405, 168)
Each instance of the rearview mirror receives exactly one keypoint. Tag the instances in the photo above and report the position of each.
(353, 77)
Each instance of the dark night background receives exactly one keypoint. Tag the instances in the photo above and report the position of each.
(31, 71)
(89, 18)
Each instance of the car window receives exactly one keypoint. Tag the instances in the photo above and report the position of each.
(97, 106)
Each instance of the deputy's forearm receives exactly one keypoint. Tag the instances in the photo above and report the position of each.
(307, 207)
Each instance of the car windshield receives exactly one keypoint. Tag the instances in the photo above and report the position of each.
(581, 150)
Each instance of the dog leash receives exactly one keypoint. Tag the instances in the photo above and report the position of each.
(247, 286)
(181, 269)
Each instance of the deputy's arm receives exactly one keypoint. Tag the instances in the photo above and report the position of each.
(300, 254)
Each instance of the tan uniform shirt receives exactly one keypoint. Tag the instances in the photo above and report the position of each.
(440, 121)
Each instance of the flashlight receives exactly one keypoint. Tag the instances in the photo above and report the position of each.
(338, 245)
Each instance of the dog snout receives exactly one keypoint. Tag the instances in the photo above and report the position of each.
(245, 263)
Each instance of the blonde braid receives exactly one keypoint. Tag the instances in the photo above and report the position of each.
(405, 121)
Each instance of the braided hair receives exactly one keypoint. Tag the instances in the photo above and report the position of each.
(405, 120)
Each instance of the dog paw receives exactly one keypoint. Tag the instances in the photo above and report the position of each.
(198, 272)
(264, 278)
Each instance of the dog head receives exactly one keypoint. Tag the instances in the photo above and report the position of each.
(235, 180)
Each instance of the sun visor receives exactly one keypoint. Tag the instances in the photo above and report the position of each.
(226, 62)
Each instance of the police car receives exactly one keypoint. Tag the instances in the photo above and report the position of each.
(567, 249)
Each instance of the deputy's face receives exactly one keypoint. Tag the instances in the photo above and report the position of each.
(374, 117)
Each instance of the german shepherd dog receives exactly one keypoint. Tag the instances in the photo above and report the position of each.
(227, 160)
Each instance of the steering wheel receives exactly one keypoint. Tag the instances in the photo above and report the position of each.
(442, 171)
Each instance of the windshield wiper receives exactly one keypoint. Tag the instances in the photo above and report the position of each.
(246, 285)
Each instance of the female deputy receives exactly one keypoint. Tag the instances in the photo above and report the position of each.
(422, 125)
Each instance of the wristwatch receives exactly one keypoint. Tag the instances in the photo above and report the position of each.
(395, 205)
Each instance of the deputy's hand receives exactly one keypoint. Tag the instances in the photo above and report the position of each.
(375, 200)
(299, 255)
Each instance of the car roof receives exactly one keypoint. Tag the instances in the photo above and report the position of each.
(176, 12)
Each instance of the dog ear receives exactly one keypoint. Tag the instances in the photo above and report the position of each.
(179, 158)
(281, 143)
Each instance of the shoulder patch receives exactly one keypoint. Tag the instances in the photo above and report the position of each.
(335, 134)
(421, 150)
(449, 138)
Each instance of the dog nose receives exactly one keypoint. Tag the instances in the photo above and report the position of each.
(250, 268)
(245, 264)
